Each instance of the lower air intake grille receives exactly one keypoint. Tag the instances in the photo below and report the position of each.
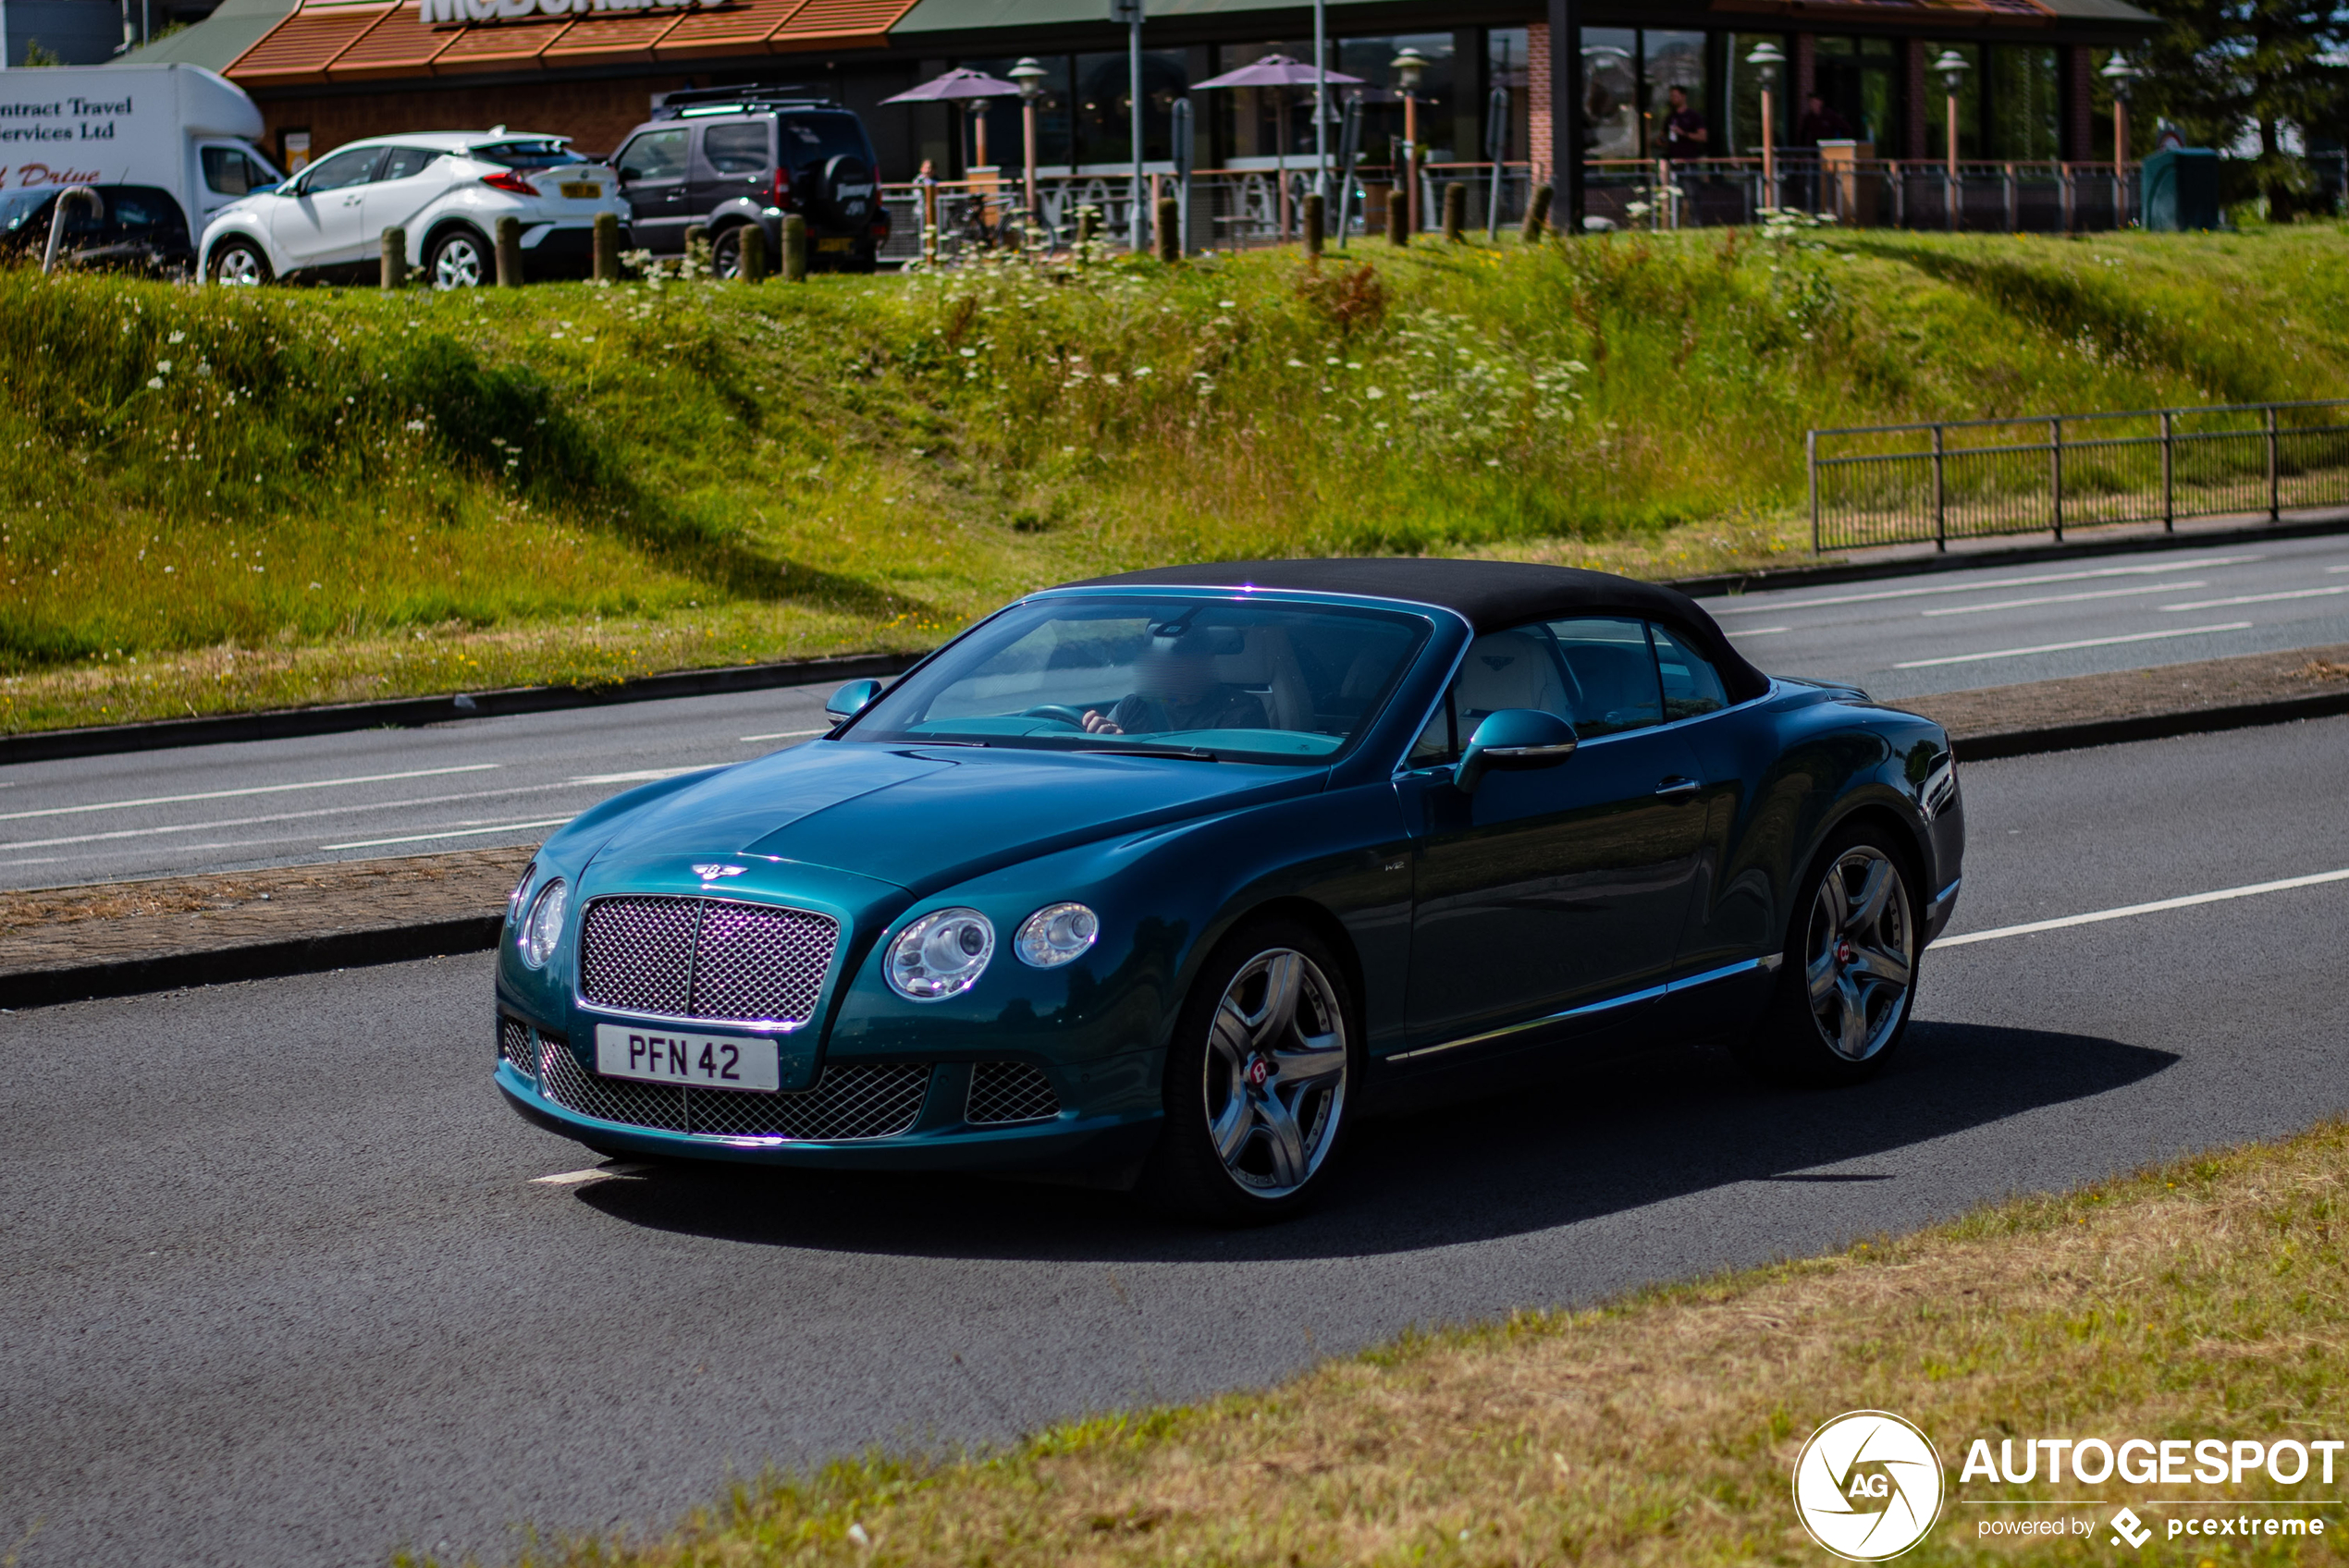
(845, 1105)
(1010, 1091)
(516, 1048)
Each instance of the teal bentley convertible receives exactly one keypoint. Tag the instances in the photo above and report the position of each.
(1172, 877)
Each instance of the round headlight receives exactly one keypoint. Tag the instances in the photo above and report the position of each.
(941, 955)
(1056, 934)
(544, 926)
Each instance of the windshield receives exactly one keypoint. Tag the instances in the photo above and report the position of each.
(1230, 680)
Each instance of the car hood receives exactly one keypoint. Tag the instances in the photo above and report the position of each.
(925, 817)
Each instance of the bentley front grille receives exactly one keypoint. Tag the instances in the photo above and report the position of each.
(846, 1104)
(1010, 1091)
(704, 958)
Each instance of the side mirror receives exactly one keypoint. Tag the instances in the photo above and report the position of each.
(852, 700)
(1512, 739)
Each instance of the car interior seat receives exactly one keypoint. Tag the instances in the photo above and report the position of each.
(1511, 669)
(1267, 665)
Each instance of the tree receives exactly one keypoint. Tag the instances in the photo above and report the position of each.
(2221, 67)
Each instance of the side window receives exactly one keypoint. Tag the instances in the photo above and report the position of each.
(344, 170)
(656, 154)
(737, 149)
(1690, 685)
(1435, 744)
(230, 173)
(405, 161)
(1610, 675)
(1517, 668)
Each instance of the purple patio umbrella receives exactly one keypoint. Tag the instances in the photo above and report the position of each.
(1279, 71)
(959, 84)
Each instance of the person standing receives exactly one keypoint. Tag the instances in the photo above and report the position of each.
(1686, 136)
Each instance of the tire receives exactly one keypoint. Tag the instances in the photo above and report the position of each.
(239, 263)
(461, 258)
(1257, 1093)
(726, 253)
(1847, 982)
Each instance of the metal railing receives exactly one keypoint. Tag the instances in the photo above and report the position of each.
(2011, 197)
(1966, 479)
(1229, 210)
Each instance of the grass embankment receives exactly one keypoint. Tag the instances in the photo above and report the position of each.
(211, 500)
(2202, 1300)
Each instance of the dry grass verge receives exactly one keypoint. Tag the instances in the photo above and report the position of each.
(2204, 1299)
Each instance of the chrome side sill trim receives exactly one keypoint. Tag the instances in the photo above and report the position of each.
(1941, 900)
(1743, 966)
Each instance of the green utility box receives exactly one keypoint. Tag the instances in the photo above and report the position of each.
(2178, 189)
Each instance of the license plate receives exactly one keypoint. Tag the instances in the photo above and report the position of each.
(705, 1061)
(582, 190)
(835, 244)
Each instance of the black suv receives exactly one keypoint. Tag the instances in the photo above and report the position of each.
(138, 228)
(727, 157)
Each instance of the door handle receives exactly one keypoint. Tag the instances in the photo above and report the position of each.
(1677, 789)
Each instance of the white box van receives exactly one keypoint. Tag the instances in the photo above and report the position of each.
(181, 129)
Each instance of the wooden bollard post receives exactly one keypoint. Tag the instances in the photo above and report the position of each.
(1537, 214)
(1314, 208)
(795, 247)
(1170, 230)
(752, 249)
(395, 257)
(697, 244)
(1089, 228)
(510, 251)
(1398, 215)
(1455, 210)
(607, 247)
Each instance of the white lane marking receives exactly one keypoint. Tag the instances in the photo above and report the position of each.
(593, 1174)
(458, 832)
(254, 790)
(2066, 647)
(786, 735)
(120, 833)
(2062, 598)
(2337, 569)
(642, 776)
(2260, 598)
(1775, 605)
(1762, 630)
(2188, 901)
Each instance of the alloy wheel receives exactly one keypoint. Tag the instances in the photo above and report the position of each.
(1275, 1072)
(456, 265)
(240, 268)
(1861, 952)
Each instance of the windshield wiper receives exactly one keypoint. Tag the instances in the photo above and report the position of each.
(1186, 754)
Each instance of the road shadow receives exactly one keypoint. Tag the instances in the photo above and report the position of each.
(1576, 1149)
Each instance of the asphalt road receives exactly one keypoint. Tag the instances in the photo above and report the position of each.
(492, 781)
(285, 1286)
(1949, 632)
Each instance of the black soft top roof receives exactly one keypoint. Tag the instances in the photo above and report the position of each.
(1491, 595)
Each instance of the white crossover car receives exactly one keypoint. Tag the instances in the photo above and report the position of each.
(446, 188)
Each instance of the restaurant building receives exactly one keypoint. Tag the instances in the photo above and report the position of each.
(324, 72)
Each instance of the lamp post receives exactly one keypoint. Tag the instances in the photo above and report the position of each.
(1130, 13)
(1030, 77)
(1409, 68)
(1766, 60)
(1952, 67)
(2123, 75)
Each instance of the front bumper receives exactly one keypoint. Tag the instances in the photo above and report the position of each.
(1104, 1115)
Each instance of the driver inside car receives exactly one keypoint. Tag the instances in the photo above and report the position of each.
(1175, 688)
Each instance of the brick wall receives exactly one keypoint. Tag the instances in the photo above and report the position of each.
(598, 113)
(1539, 144)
